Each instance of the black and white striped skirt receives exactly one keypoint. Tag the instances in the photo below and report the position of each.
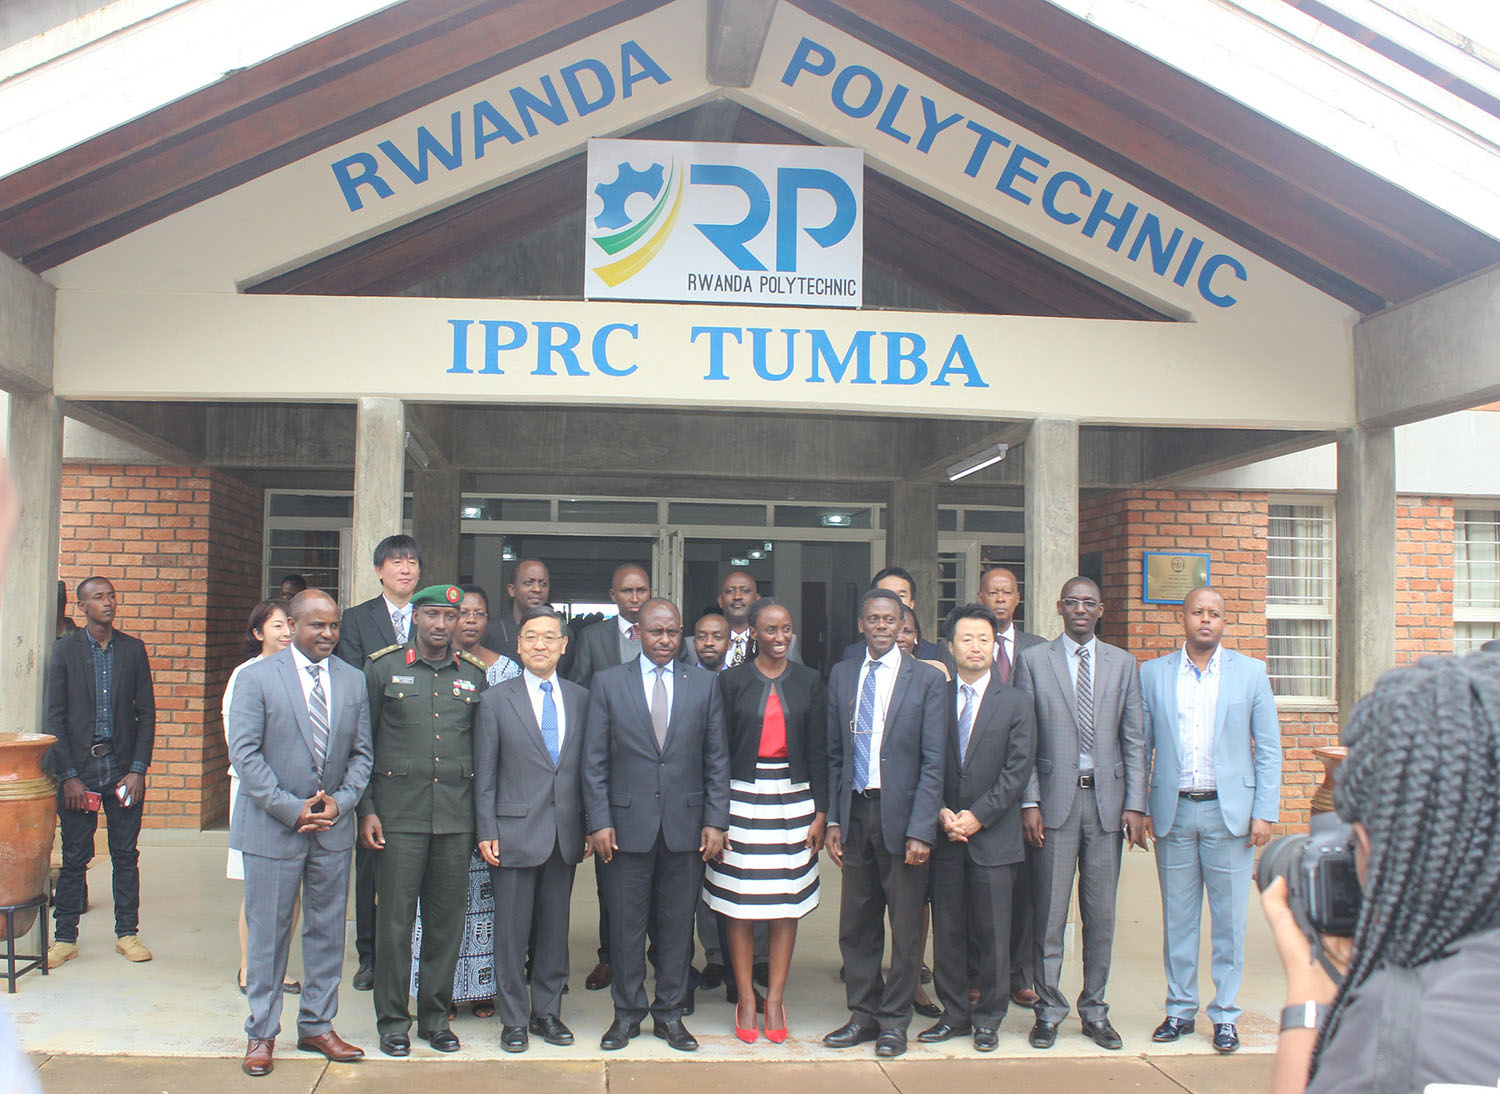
(770, 873)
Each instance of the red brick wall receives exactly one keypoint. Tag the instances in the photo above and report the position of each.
(1424, 577)
(182, 547)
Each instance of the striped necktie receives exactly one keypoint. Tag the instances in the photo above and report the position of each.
(1085, 689)
(317, 710)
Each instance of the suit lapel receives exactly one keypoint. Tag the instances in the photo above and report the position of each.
(1221, 707)
(520, 702)
(1169, 704)
(985, 719)
(636, 685)
(288, 670)
(573, 712)
(679, 695)
(1057, 657)
(898, 691)
(380, 615)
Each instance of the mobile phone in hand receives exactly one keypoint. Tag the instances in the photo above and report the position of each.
(92, 802)
(123, 793)
(316, 807)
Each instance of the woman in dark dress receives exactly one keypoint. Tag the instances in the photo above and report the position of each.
(774, 711)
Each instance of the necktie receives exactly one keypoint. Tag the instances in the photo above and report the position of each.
(737, 653)
(1002, 660)
(317, 710)
(630, 634)
(864, 728)
(1085, 689)
(398, 624)
(659, 711)
(965, 722)
(549, 722)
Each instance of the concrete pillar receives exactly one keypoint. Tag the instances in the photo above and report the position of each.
(379, 483)
(1051, 455)
(435, 516)
(1365, 533)
(28, 612)
(911, 541)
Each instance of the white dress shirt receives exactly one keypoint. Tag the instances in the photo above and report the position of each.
(885, 683)
(304, 678)
(1085, 760)
(625, 626)
(404, 611)
(534, 692)
(1197, 704)
(648, 678)
(980, 686)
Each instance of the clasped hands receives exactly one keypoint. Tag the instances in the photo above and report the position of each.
(316, 818)
(959, 826)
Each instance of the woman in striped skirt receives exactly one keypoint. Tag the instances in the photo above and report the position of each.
(775, 713)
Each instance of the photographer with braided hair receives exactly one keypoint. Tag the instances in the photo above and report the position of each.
(1420, 977)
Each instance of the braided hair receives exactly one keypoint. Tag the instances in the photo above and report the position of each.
(1424, 761)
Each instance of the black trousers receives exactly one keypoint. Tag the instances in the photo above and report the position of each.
(1022, 930)
(78, 827)
(365, 863)
(531, 899)
(877, 885)
(971, 911)
(653, 893)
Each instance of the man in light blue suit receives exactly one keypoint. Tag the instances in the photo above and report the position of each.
(1215, 746)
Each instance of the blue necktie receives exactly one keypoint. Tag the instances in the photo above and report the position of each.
(549, 721)
(965, 722)
(864, 728)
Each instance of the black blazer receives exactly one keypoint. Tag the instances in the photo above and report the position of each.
(991, 780)
(744, 690)
(69, 712)
(363, 629)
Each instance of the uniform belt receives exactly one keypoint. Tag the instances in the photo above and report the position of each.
(1086, 780)
(1199, 795)
(103, 748)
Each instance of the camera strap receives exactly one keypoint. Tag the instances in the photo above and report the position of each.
(1396, 1034)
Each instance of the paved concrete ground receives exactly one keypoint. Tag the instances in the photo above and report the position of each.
(150, 1020)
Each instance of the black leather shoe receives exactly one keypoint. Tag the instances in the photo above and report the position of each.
(927, 1010)
(395, 1044)
(1171, 1029)
(444, 1040)
(986, 1038)
(1103, 1034)
(713, 976)
(619, 1034)
(851, 1033)
(514, 1039)
(1043, 1034)
(672, 1031)
(689, 1003)
(550, 1029)
(944, 1030)
(1226, 1037)
(363, 979)
(891, 1042)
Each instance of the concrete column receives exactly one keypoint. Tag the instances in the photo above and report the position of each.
(379, 483)
(1365, 533)
(435, 498)
(911, 541)
(28, 612)
(1051, 455)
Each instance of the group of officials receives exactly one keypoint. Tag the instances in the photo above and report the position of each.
(988, 783)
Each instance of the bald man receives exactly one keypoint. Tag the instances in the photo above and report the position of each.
(737, 593)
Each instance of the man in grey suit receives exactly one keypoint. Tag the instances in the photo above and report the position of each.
(299, 736)
(1000, 592)
(887, 742)
(656, 791)
(528, 811)
(1089, 784)
(1215, 747)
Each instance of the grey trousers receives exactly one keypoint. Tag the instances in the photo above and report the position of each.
(1078, 847)
(523, 896)
(271, 886)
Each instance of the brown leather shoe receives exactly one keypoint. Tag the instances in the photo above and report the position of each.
(598, 979)
(1025, 998)
(258, 1056)
(333, 1046)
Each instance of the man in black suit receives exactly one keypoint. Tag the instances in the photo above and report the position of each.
(991, 750)
(887, 722)
(102, 710)
(528, 755)
(529, 588)
(1000, 592)
(656, 790)
(896, 580)
(373, 625)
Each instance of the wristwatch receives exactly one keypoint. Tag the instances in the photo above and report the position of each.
(1308, 1015)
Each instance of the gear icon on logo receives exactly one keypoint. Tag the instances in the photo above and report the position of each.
(628, 182)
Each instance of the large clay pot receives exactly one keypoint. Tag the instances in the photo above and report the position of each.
(28, 818)
(1331, 756)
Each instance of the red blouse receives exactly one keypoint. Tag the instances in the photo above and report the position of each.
(773, 729)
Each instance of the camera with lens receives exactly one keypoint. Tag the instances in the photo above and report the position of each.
(1322, 884)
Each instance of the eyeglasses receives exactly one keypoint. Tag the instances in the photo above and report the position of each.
(474, 615)
(1072, 603)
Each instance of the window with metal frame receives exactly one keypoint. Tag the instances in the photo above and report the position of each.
(1300, 601)
(1476, 578)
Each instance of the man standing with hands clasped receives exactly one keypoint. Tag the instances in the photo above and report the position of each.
(299, 736)
(1215, 747)
(1087, 794)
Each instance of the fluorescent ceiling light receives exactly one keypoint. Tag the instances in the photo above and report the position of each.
(985, 457)
(836, 520)
(739, 562)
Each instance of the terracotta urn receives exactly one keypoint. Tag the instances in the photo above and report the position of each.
(1331, 756)
(28, 818)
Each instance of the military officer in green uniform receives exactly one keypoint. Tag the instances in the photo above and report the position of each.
(419, 815)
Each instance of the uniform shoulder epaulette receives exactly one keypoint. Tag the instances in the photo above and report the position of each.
(465, 655)
(378, 654)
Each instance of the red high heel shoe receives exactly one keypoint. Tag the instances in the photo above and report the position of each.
(777, 1036)
(751, 1035)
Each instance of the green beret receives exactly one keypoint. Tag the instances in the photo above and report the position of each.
(443, 596)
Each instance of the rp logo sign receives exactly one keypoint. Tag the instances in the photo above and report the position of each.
(733, 239)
